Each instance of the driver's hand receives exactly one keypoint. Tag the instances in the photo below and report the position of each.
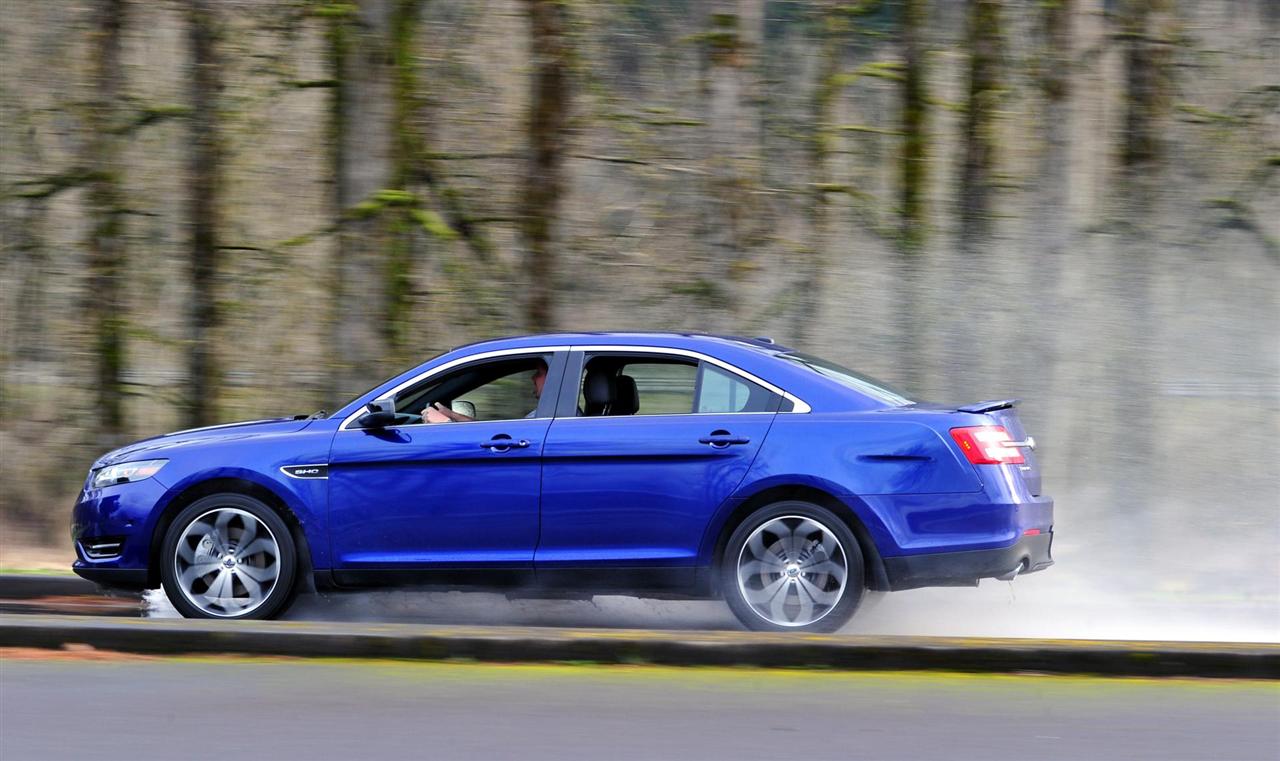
(433, 415)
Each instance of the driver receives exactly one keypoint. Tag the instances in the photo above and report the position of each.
(438, 413)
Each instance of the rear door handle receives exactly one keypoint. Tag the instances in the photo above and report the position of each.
(722, 440)
(502, 444)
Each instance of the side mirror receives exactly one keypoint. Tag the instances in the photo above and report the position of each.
(463, 408)
(380, 414)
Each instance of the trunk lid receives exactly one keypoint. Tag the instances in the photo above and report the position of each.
(1005, 413)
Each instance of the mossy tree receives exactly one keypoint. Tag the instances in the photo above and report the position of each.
(1047, 239)
(204, 171)
(915, 155)
(1148, 54)
(1146, 28)
(363, 112)
(732, 40)
(832, 24)
(105, 307)
(551, 54)
(913, 187)
(974, 195)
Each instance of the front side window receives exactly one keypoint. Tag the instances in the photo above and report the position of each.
(500, 389)
(616, 385)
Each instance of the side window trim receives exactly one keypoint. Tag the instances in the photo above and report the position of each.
(557, 365)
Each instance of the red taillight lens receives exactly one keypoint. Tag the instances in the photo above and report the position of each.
(984, 445)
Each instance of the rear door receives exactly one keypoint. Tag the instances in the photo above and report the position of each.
(634, 483)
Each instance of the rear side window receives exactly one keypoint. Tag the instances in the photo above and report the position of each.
(640, 386)
(722, 391)
(657, 385)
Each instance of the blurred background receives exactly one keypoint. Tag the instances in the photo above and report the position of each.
(231, 209)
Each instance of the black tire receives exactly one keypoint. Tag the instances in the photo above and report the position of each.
(794, 514)
(282, 589)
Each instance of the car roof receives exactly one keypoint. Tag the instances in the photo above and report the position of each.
(627, 338)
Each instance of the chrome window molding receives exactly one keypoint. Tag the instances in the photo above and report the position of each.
(798, 405)
(426, 375)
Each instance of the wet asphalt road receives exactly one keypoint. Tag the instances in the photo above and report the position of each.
(232, 709)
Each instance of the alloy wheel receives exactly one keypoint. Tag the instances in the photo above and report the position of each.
(792, 571)
(226, 562)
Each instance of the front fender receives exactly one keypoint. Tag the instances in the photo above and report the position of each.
(306, 498)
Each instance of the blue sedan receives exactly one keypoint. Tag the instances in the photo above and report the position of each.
(639, 463)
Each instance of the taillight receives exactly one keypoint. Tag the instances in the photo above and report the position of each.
(985, 445)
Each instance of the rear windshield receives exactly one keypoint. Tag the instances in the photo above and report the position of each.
(863, 384)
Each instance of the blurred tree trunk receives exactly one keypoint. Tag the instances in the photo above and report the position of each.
(106, 245)
(832, 26)
(407, 132)
(915, 154)
(1148, 91)
(914, 186)
(1146, 30)
(544, 184)
(204, 385)
(363, 112)
(975, 190)
(1052, 212)
(1047, 236)
(733, 40)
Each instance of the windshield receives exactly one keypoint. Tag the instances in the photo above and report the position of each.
(863, 384)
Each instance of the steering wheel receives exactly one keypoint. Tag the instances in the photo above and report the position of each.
(407, 418)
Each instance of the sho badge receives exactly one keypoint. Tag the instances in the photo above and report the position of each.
(306, 471)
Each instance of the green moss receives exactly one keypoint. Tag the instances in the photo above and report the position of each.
(1206, 114)
(433, 224)
(870, 129)
(335, 10)
(393, 197)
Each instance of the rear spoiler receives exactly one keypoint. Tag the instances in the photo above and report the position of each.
(978, 408)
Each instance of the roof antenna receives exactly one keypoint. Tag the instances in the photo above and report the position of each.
(764, 339)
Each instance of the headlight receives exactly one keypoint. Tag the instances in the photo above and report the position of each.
(127, 472)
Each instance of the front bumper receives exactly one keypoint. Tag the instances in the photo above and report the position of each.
(113, 578)
(123, 514)
(964, 569)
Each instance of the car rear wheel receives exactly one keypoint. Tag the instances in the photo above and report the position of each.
(228, 556)
(792, 566)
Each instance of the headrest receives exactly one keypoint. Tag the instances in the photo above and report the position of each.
(628, 399)
(599, 390)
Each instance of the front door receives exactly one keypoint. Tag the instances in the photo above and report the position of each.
(445, 496)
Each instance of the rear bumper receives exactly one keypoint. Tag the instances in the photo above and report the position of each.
(964, 569)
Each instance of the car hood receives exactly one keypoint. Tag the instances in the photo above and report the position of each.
(157, 445)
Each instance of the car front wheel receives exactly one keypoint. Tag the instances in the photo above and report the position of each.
(792, 566)
(228, 556)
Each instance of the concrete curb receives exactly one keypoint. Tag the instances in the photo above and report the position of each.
(689, 648)
(26, 586)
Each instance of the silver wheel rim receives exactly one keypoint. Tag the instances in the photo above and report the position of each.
(792, 571)
(227, 562)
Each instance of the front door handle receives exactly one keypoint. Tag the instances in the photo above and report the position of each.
(504, 443)
(722, 439)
